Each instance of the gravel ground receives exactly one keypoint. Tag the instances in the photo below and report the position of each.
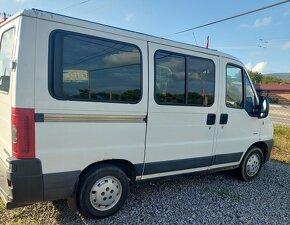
(212, 199)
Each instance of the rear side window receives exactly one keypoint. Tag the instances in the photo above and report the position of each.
(6, 50)
(94, 69)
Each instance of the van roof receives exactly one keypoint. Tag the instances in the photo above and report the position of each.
(40, 14)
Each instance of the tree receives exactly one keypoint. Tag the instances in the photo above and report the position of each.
(259, 78)
(273, 80)
(256, 77)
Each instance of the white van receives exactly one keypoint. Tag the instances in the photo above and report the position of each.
(87, 108)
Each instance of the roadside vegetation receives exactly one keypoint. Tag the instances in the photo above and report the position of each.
(1, 206)
(259, 78)
(281, 149)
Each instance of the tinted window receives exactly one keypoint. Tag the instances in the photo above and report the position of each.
(234, 93)
(251, 100)
(170, 78)
(183, 80)
(6, 49)
(201, 81)
(94, 69)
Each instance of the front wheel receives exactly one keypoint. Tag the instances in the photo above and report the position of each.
(251, 164)
(102, 191)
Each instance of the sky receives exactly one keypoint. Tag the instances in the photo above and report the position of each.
(260, 40)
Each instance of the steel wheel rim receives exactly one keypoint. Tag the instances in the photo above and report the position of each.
(253, 165)
(105, 193)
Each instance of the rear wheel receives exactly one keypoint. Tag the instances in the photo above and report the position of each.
(102, 191)
(251, 164)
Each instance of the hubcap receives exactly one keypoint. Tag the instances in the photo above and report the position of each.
(253, 165)
(105, 193)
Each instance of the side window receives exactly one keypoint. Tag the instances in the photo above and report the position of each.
(6, 50)
(251, 101)
(169, 78)
(234, 92)
(183, 80)
(94, 69)
(200, 81)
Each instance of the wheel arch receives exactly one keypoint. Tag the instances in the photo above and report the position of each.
(126, 166)
(263, 146)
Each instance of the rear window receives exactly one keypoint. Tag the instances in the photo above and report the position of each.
(6, 50)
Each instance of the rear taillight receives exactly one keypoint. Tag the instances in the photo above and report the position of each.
(23, 133)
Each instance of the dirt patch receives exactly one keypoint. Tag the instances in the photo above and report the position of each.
(280, 155)
(39, 213)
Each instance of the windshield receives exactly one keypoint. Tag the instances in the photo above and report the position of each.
(6, 49)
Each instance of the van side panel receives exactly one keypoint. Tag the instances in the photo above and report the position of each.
(23, 83)
(71, 135)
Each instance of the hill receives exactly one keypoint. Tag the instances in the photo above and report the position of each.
(279, 75)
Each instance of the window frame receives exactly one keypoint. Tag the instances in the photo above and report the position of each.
(243, 85)
(13, 49)
(52, 65)
(256, 99)
(244, 77)
(186, 56)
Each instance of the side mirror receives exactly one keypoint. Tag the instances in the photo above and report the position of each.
(263, 109)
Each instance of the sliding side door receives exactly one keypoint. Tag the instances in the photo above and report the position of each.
(183, 103)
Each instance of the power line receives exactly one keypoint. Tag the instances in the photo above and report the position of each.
(231, 17)
(74, 5)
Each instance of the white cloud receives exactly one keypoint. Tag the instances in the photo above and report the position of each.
(248, 66)
(129, 17)
(263, 22)
(259, 67)
(258, 23)
(121, 59)
(286, 45)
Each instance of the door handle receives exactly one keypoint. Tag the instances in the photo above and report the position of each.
(224, 118)
(210, 119)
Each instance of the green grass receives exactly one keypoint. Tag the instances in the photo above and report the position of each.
(281, 149)
(282, 138)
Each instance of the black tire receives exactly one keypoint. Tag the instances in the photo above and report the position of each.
(251, 164)
(112, 187)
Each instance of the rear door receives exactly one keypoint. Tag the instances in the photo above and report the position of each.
(7, 55)
(183, 102)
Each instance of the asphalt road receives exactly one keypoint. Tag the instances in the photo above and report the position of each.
(280, 114)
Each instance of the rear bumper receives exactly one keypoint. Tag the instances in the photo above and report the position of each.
(23, 183)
